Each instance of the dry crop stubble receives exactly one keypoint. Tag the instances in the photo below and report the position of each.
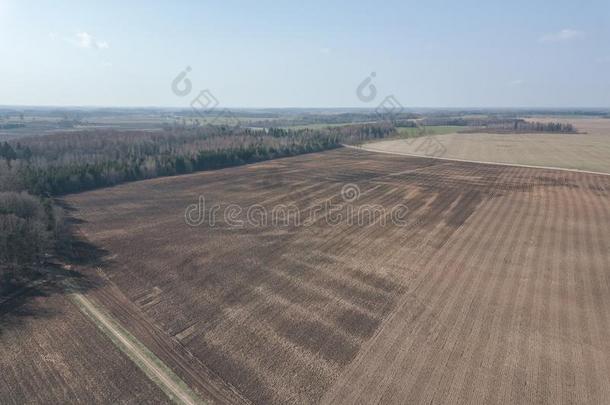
(489, 292)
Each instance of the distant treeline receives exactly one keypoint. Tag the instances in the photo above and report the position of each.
(500, 125)
(453, 121)
(330, 119)
(12, 125)
(405, 123)
(522, 126)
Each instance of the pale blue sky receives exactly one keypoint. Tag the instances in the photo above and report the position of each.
(306, 54)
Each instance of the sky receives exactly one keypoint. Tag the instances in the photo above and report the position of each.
(306, 53)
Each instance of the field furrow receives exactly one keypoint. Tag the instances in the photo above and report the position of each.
(494, 290)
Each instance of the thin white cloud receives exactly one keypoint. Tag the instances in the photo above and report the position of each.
(566, 34)
(516, 82)
(84, 40)
(88, 41)
(325, 50)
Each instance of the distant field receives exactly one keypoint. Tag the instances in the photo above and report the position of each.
(590, 151)
(496, 291)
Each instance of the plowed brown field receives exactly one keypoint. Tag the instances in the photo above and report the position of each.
(59, 356)
(497, 290)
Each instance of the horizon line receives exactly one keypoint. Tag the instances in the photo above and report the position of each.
(106, 106)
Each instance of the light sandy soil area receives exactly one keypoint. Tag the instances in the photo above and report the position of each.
(587, 151)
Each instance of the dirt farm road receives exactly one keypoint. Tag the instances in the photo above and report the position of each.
(148, 362)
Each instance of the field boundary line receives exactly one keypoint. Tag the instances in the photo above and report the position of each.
(176, 389)
(369, 149)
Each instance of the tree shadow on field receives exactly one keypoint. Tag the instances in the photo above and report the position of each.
(26, 290)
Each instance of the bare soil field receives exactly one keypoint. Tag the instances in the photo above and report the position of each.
(57, 355)
(496, 291)
(587, 151)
